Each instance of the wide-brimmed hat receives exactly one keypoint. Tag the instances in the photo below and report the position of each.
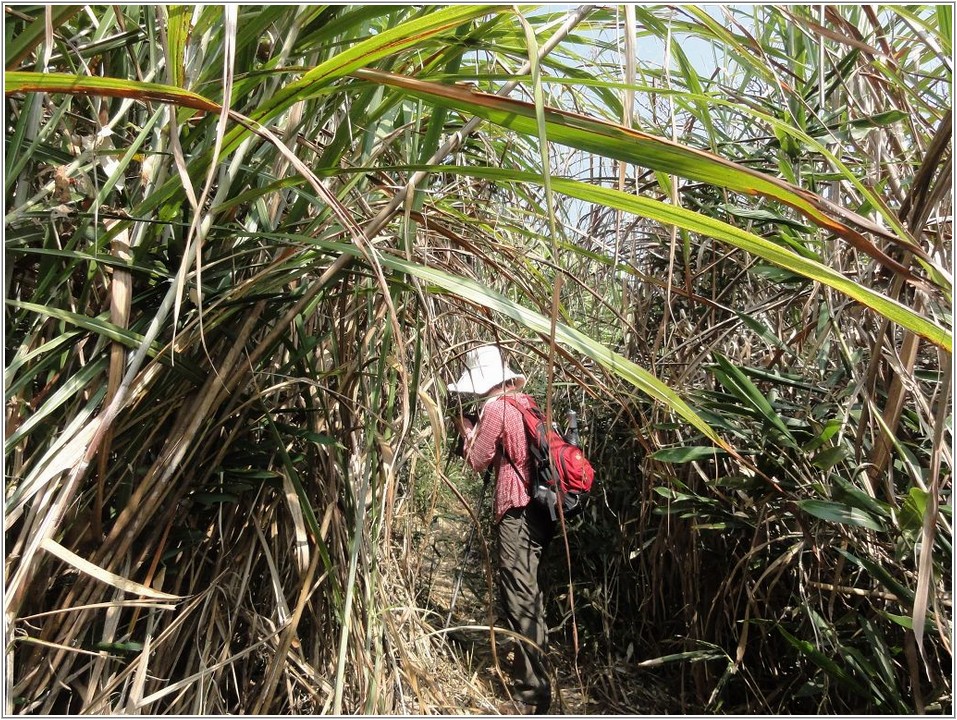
(484, 369)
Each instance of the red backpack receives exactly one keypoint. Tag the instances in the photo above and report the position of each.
(559, 468)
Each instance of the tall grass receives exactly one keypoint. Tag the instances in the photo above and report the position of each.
(246, 248)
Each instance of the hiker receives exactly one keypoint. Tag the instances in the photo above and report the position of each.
(524, 528)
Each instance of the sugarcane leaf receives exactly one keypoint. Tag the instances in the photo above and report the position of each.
(738, 384)
(882, 119)
(904, 594)
(829, 666)
(622, 143)
(686, 454)
(945, 23)
(911, 516)
(301, 506)
(839, 513)
(105, 576)
(570, 337)
(845, 491)
(101, 326)
(884, 662)
(24, 82)
(69, 389)
(19, 46)
(754, 244)
(906, 621)
(178, 27)
(829, 457)
(357, 55)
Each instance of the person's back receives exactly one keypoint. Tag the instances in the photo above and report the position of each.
(500, 439)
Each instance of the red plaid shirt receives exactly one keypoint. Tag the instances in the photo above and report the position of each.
(501, 425)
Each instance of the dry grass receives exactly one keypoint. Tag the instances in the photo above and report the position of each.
(764, 380)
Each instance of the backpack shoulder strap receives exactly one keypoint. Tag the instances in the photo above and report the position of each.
(531, 422)
(532, 416)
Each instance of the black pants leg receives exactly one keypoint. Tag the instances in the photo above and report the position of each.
(523, 535)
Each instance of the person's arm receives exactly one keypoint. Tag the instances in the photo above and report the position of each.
(481, 443)
(463, 425)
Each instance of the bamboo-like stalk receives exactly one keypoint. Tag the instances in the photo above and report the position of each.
(185, 428)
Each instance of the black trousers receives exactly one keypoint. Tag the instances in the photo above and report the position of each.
(523, 535)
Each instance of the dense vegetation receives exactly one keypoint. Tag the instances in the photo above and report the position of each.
(723, 235)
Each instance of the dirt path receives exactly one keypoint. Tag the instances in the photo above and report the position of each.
(584, 690)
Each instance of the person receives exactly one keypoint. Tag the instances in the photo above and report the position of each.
(523, 528)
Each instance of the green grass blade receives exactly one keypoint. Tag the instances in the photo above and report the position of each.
(839, 513)
(69, 389)
(308, 512)
(24, 82)
(94, 324)
(101, 326)
(945, 24)
(404, 35)
(21, 45)
(833, 670)
(178, 24)
(621, 143)
(749, 242)
(568, 336)
(736, 382)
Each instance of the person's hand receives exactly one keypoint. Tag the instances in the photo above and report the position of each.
(462, 424)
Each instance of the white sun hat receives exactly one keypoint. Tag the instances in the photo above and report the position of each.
(484, 369)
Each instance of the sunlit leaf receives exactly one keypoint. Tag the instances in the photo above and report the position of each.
(686, 454)
(22, 82)
(630, 145)
(761, 247)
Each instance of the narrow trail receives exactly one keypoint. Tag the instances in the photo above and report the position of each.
(445, 559)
